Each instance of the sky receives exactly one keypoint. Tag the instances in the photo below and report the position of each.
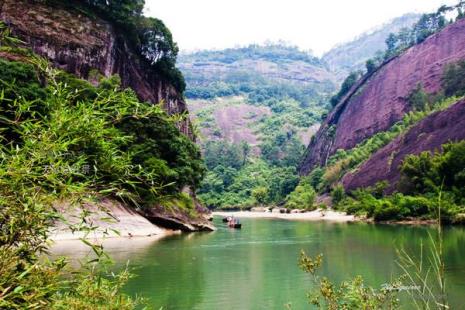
(315, 25)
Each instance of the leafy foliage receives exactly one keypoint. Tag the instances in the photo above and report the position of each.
(418, 98)
(423, 176)
(344, 161)
(64, 139)
(453, 81)
(350, 81)
(255, 182)
(352, 294)
(303, 197)
(149, 37)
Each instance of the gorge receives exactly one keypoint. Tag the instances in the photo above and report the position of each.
(115, 143)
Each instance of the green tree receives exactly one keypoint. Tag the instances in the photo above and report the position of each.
(338, 194)
(418, 98)
(453, 81)
(370, 65)
(260, 194)
(303, 197)
(349, 81)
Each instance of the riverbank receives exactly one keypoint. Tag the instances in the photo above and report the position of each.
(316, 215)
(107, 219)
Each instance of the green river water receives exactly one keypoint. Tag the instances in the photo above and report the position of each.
(256, 267)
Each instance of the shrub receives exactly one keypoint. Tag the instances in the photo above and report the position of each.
(453, 81)
(385, 210)
(303, 197)
(418, 98)
(337, 194)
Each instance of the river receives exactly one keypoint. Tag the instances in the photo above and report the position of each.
(256, 267)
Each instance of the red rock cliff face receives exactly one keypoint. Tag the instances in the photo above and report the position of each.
(380, 100)
(78, 44)
(427, 135)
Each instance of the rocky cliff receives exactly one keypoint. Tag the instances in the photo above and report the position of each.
(79, 44)
(428, 135)
(87, 46)
(380, 99)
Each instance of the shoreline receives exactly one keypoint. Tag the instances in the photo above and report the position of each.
(316, 215)
(320, 215)
(106, 220)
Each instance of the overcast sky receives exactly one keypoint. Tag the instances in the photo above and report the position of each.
(310, 24)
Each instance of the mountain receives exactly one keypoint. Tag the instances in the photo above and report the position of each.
(380, 99)
(351, 56)
(250, 84)
(394, 141)
(270, 97)
(255, 108)
(83, 44)
(238, 70)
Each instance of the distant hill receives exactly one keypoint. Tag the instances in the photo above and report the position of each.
(256, 108)
(257, 71)
(351, 56)
(232, 91)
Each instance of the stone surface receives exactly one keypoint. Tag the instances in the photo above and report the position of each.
(177, 219)
(78, 44)
(82, 44)
(380, 99)
(428, 135)
(108, 218)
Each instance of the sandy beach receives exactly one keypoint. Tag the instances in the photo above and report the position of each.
(316, 215)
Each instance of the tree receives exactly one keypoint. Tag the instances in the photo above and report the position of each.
(370, 65)
(453, 81)
(391, 44)
(418, 98)
(122, 12)
(260, 194)
(338, 194)
(245, 147)
(303, 197)
(350, 81)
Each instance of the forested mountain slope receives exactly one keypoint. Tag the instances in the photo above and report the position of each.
(264, 102)
(351, 56)
(255, 108)
(393, 146)
(428, 135)
(382, 100)
(89, 43)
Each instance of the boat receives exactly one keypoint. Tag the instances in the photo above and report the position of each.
(235, 225)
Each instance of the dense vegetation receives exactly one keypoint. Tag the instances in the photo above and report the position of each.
(242, 74)
(294, 105)
(237, 180)
(423, 176)
(64, 139)
(426, 178)
(149, 37)
(427, 25)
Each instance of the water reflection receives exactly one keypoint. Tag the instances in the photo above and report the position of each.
(256, 267)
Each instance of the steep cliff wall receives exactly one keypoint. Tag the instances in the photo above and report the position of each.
(381, 99)
(428, 135)
(78, 43)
